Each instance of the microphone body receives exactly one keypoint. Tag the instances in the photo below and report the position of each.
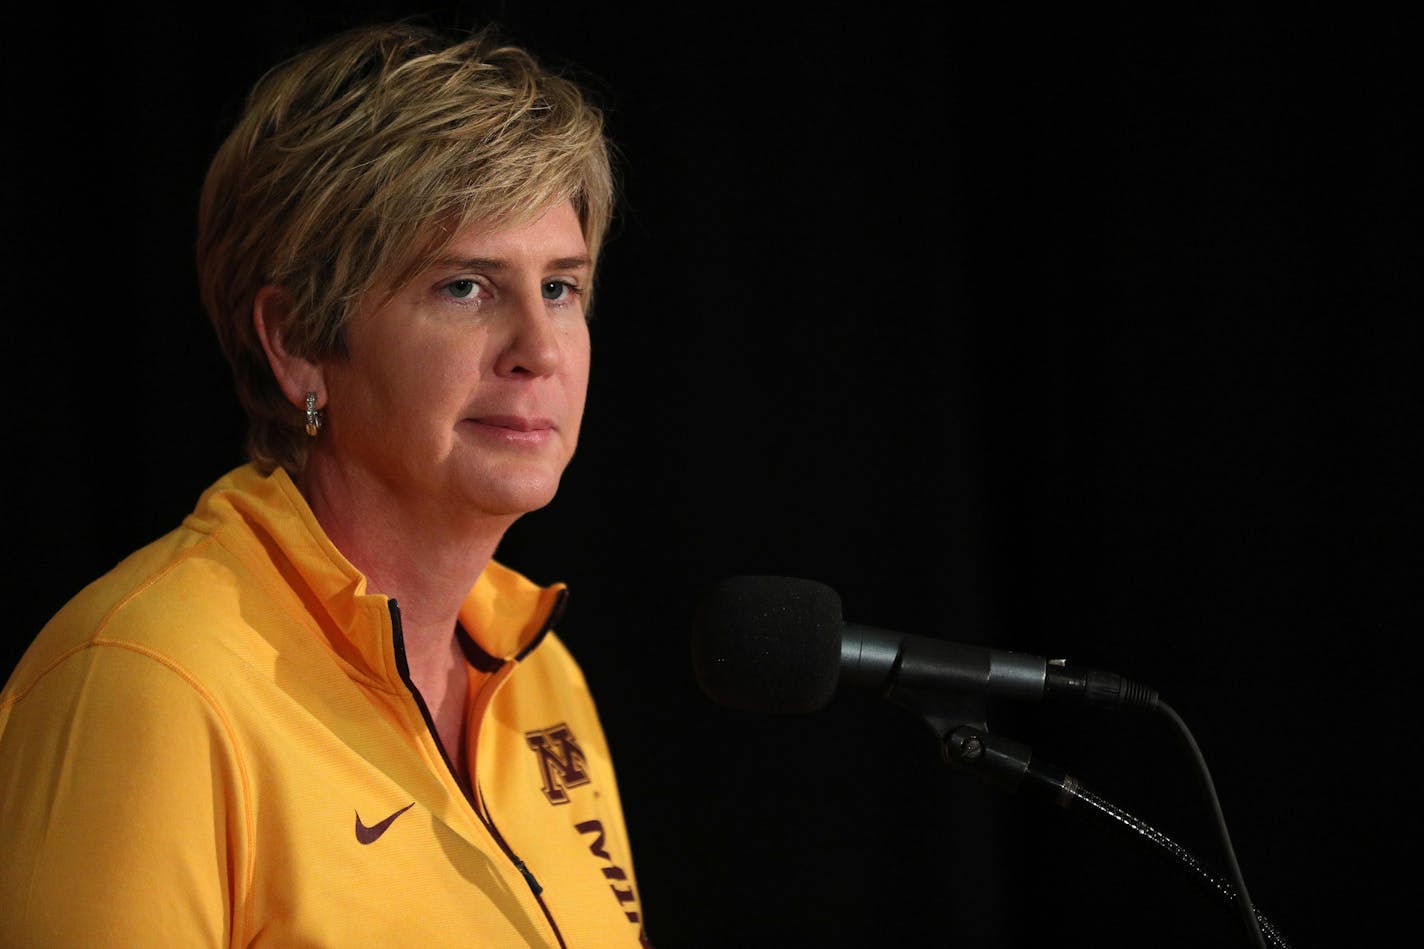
(880, 659)
(877, 658)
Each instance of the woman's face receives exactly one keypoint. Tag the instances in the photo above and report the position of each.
(464, 392)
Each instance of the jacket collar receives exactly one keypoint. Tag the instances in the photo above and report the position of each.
(265, 520)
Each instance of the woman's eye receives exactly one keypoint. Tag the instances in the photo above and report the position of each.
(558, 289)
(463, 289)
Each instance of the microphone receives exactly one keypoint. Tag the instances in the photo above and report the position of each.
(781, 644)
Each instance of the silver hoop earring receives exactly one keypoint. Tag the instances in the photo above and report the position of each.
(313, 416)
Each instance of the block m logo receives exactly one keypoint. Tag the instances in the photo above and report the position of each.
(561, 761)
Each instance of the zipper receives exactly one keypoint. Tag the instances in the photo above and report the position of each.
(403, 667)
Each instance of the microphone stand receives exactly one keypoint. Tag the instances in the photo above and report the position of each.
(960, 725)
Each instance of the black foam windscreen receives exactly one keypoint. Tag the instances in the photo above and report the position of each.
(768, 644)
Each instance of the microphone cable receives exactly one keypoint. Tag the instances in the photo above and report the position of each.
(1242, 898)
(1007, 763)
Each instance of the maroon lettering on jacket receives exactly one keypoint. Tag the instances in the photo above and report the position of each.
(562, 764)
(623, 894)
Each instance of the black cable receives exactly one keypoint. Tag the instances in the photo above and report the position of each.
(1013, 766)
(1059, 785)
(1243, 899)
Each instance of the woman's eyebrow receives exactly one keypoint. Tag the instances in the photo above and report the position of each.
(497, 264)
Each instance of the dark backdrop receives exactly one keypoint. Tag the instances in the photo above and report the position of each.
(1088, 335)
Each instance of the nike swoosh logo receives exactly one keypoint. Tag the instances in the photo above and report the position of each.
(369, 835)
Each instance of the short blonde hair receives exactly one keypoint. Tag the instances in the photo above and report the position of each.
(355, 162)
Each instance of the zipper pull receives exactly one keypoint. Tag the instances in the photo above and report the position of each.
(528, 876)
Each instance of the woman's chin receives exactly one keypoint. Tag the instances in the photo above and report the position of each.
(513, 496)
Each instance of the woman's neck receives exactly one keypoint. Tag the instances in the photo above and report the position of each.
(426, 559)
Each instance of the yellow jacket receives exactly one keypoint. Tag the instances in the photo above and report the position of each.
(216, 744)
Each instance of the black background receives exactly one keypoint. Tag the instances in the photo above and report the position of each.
(1083, 334)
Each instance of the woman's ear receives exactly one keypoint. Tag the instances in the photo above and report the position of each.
(297, 375)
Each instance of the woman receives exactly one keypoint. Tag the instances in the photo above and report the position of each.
(319, 712)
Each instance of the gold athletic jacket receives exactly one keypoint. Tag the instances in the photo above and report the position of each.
(217, 744)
